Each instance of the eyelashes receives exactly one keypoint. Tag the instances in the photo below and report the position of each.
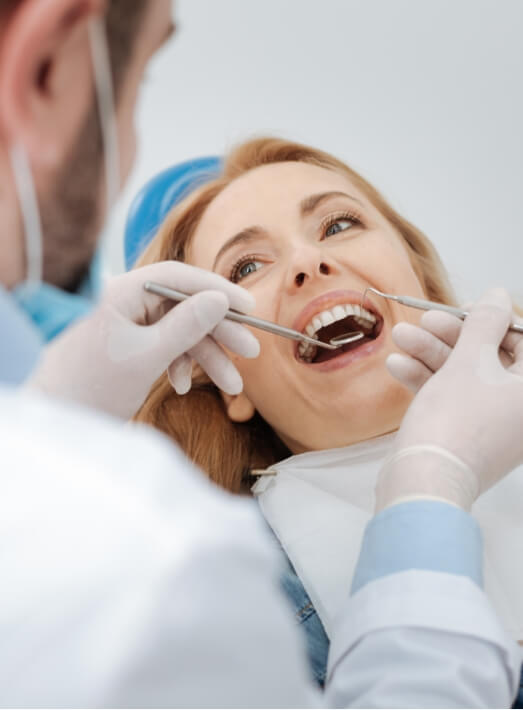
(240, 271)
(331, 220)
(236, 271)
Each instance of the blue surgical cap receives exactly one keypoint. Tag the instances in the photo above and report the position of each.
(158, 196)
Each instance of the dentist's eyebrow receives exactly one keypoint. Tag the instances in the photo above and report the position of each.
(309, 204)
(245, 236)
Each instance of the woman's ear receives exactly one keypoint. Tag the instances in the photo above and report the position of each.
(239, 407)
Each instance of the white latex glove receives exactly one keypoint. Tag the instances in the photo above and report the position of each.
(428, 346)
(463, 430)
(111, 359)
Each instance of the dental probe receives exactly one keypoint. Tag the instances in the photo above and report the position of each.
(429, 306)
(340, 340)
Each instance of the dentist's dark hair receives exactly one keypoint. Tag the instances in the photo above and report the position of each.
(198, 421)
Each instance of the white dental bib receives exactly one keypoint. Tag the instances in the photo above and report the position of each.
(319, 503)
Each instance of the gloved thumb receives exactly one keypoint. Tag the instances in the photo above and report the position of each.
(487, 322)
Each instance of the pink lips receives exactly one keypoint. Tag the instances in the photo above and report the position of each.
(326, 301)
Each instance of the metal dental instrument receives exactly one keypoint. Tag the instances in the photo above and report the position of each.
(334, 344)
(429, 306)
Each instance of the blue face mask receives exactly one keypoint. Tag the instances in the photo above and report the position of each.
(21, 342)
(52, 310)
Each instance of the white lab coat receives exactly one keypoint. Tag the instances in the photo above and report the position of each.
(129, 580)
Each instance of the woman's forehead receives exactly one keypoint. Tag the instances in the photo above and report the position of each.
(268, 193)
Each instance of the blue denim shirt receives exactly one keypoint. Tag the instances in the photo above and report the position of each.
(305, 614)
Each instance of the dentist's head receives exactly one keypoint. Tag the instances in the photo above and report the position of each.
(70, 71)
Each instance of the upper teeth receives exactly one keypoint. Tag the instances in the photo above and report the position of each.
(361, 315)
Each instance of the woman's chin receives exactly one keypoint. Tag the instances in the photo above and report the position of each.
(363, 411)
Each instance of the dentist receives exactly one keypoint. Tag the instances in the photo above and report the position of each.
(128, 579)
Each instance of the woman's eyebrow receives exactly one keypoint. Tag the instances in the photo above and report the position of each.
(309, 204)
(245, 236)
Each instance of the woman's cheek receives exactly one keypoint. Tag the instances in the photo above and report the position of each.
(254, 367)
(389, 269)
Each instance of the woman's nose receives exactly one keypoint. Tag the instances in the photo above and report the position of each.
(309, 265)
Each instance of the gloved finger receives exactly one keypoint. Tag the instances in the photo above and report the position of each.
(211, 358)
(443, 325)
(447, 327)
(410, 372)
(238, 338)
(127, 292)
(487, 322)
(516, 368)
(183, 327)
(179, 374)
(421, 344)
(513, 342)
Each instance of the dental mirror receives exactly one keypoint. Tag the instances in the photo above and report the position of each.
(346, 338)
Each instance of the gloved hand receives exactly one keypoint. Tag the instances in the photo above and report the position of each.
(462, 432)
(428, 346)
(111, 359)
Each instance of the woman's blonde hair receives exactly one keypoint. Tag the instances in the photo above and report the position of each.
(198, 421)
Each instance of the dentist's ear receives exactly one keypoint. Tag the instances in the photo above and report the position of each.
(46, 77)
(239, 407)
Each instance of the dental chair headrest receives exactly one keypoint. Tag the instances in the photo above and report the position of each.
(157, 197)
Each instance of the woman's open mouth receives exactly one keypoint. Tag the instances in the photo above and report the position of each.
(338, 320)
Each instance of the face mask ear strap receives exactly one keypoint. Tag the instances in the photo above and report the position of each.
(22, 170)
(30, 213)
(105, 97)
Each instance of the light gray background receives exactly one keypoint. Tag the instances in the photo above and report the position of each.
(423, 97)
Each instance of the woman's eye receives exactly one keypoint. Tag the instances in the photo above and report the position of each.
(340, 225)
(244, 268)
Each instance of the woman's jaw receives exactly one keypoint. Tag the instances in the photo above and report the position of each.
(299, 269)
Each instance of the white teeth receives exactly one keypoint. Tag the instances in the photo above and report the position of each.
(310, 331)
(316, 322)
(338, 312)
(361, 315)
(306, 351)
(326, 318)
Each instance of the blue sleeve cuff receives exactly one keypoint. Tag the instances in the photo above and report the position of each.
(425, 535)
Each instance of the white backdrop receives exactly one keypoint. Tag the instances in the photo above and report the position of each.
(423, 97)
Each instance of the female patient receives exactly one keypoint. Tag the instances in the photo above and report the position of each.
(306, 235)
